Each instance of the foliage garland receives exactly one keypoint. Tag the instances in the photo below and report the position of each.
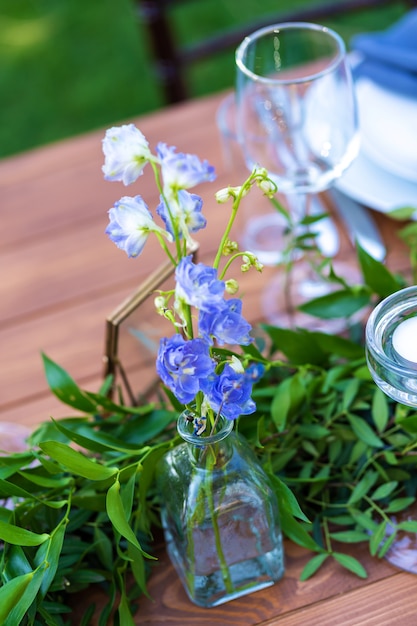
(342, 457)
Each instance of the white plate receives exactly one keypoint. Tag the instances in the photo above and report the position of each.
(376, 188)
(388, 123)
(372, 181)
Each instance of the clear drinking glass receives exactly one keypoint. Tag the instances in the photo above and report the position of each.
(396, 375)
(296, 111)
(296, 106)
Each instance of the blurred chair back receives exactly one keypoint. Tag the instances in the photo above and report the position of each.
(171, 59)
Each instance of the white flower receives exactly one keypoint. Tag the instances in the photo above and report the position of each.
(182, 171)
(236, 365)
(126, 153)
(130, 225)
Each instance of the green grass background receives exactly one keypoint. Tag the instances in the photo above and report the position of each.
(69, 66)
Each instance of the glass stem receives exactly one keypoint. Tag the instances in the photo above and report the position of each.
(299, 205)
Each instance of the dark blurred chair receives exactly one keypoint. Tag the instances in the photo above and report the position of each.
(171, 59)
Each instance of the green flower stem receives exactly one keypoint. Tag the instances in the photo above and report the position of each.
(327, 538)
(224, 568)
(188, 321)
(165, 248)
(174, 225)
(235, 207)
(377, 509)
(229, 263)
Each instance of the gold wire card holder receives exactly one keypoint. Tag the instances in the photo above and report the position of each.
(132, 335)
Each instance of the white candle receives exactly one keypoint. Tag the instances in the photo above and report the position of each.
(404, 341)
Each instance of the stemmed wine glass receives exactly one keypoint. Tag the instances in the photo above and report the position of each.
(296, 115)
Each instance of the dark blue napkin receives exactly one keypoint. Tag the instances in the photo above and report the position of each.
(390, 57)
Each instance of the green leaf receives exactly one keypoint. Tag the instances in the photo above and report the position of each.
(138, 567)
(313, 565)
(116, 513)
(364, 519)
(342, 303)
(8, 489)
(377, 538)
(359, 450)
(364, 432)
(83, 434)
(350, 536)
(16, 564)
(147, 477)
(399, 504)
(87, 618)
(350, 563)
(11, 464)
(104, 548)
(287, 499)
(350, 392)
(65, 388)
(77, 462)
(376, 275)
(408, 423)
(55, 608)
(11, 594)
(125, 614)
(333, 344)
(51, 556)
(151, 426)
(409, 235)
(313, 431)
(87, 576)
(402, 213)
(296, 532)
(20, 536)
(363, 487)
(280, 405)
(386, 545)
(288, 397)
(299, 346)
(383, 491)
(104, 404)
(45, 481)
(127, 493)
(409, 526)
(310, 448)
(19, 611)
(390, 457)
(380, 409)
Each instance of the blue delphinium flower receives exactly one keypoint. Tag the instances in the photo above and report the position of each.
(183, 215)
(198, 285)
(126, 153)
(182, 171)
(182, 365)
(194, 369)
(254, 372)
(225, 324)
(130, 224)
(229, 393)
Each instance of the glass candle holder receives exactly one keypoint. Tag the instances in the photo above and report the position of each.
(391, 351)
(391, 345)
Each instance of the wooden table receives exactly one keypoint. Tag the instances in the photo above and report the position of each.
(61, 277)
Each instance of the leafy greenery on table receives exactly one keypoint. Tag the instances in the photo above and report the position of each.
(80, 506)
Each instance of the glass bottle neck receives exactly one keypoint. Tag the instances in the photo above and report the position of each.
(209, 449)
